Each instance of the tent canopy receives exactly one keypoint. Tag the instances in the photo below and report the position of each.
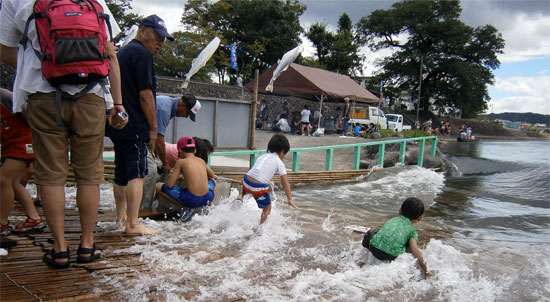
(309, 81)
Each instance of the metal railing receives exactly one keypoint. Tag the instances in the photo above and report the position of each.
(254, 154)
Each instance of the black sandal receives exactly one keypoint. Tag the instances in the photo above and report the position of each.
(93, 256)
(53, 256)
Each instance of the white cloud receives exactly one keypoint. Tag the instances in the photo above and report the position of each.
(526, 39)
(526, 94)
(520, 104)
(169, 11)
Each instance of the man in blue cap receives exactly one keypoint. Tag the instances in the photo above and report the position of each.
(137, 139)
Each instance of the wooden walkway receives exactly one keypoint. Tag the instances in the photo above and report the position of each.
(24, 277)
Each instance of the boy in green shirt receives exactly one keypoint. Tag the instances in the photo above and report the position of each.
(398, 235)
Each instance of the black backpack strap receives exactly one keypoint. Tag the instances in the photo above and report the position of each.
(59, 94)
(106, 17)
(25, 38)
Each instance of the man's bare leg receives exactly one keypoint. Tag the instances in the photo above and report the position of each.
(121, 203)
(87, 200)
(134, 192)
(53, 198)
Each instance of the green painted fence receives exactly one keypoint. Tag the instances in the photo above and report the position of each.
(254, 154)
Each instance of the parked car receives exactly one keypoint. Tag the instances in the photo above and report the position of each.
(395, 122)
(367, 115)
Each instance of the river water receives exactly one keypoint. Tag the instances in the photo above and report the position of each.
(485, 236)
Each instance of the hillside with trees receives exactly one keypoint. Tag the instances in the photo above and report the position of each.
(529, 117)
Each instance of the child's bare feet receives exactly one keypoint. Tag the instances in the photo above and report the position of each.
(139, 229)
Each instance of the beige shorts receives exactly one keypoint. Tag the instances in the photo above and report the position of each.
(83, 131)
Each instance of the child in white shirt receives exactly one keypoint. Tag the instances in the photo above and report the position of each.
(256, 181)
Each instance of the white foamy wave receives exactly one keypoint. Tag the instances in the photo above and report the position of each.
(388, 187)
(225, 255)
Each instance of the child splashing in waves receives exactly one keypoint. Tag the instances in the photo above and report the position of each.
(256, 181)
(398, 235)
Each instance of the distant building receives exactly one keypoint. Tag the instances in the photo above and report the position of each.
(525, 125)
(509, 124)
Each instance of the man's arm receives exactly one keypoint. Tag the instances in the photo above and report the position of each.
(9, 55)
(147, 101)
(160, 150)
(116, 90)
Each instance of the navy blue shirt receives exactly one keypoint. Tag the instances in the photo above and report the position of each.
(137, 73)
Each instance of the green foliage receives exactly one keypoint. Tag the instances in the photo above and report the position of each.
(457, 59)
(265, 28)
(386, 132)
(120, 10)
(338, 51)
(178, 56)
(414, 133)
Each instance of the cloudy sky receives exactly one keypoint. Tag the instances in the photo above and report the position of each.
(523, 79)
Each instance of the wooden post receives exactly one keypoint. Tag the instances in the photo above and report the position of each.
(253, 111)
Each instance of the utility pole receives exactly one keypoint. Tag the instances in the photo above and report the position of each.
(419, 90)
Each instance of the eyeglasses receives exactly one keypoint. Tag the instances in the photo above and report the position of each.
(158, 37)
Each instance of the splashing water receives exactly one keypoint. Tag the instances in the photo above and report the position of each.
(308, 255)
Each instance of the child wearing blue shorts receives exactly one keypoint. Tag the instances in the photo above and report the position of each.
(256, 181)
(199, 190)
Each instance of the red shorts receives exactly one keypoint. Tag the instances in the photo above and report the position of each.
(16, 137)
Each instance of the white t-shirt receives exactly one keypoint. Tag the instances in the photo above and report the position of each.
(29, 79)
(266, 166)
(305, 115)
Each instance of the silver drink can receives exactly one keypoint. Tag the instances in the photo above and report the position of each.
(123, 115)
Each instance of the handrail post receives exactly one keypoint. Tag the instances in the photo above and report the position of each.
(296, 161)
(381, 149)
(421, 152)
(434, 146)
(329, 157)
(402, 150)
(356, 157)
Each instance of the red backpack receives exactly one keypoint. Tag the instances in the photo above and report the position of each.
(72, 40)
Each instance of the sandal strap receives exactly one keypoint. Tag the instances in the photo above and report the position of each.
(84, 250)
(60, 255)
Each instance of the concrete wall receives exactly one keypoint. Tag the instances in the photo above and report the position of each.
(274, 102)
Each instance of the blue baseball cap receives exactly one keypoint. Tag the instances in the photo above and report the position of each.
(158, 25)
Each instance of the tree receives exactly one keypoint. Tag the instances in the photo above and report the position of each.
(457, 59)
(338, 52)
(263, 30)
(120, 10)
(322, 39)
